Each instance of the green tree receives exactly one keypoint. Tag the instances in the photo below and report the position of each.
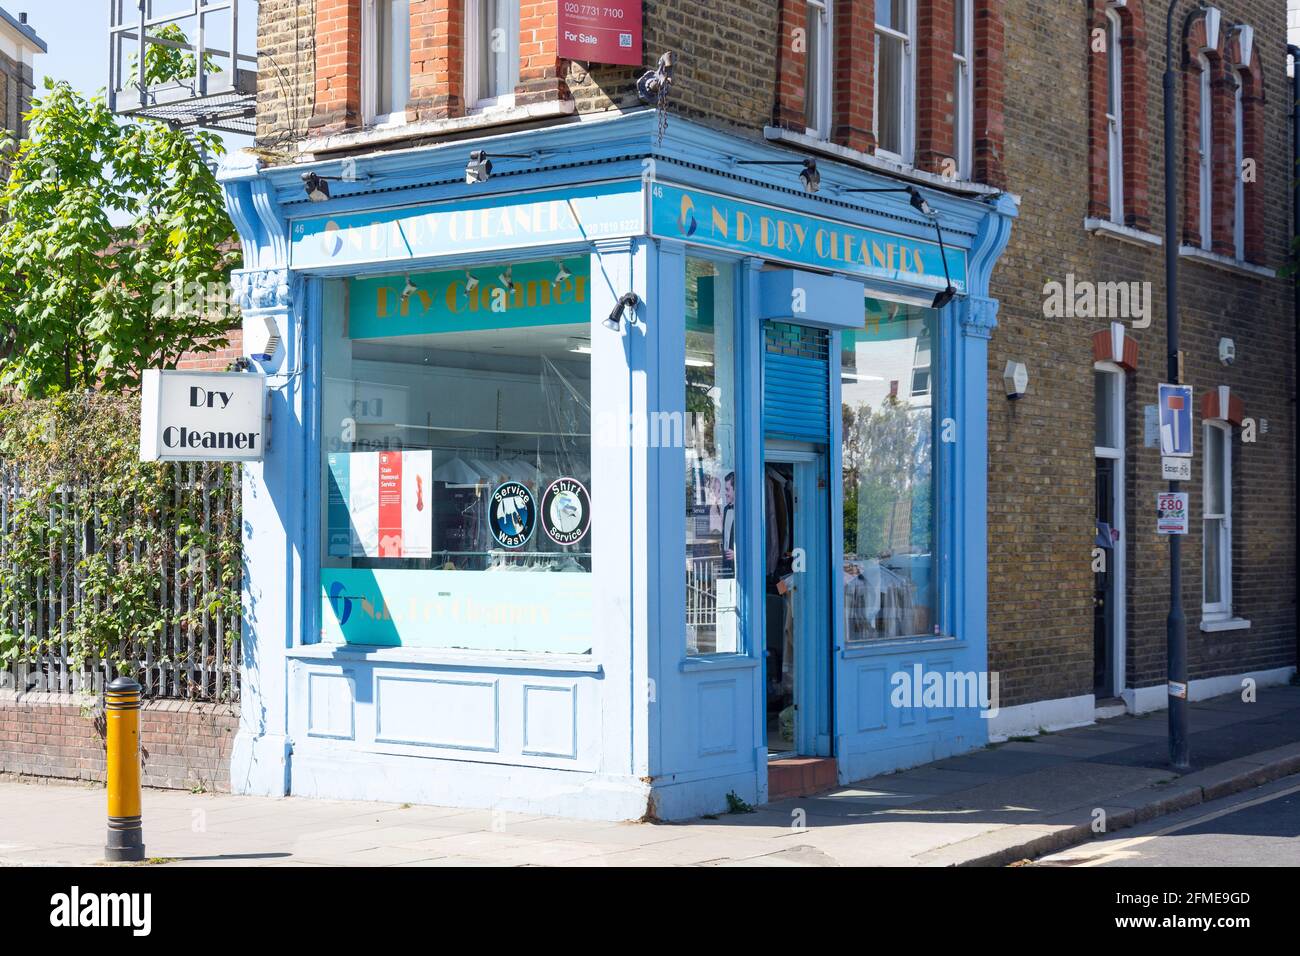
(115, 249)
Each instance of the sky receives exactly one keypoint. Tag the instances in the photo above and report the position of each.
(76, 32)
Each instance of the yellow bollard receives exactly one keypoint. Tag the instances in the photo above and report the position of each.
(122, 715)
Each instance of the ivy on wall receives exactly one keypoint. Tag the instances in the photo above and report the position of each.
(111, 565)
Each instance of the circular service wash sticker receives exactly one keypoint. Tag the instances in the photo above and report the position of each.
(566, 511)
(513, 513)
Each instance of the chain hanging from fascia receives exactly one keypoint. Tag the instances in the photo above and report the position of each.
(654, 87)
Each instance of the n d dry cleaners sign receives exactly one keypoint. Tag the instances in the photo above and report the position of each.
(202, 416)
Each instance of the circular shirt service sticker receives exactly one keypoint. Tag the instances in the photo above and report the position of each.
(513, 512)
(566, 511)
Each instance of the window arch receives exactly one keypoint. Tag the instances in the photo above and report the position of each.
(1119, 93)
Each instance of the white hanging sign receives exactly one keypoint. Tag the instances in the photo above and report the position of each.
(202, 416)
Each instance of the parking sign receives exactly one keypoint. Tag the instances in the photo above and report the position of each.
(1176, 421)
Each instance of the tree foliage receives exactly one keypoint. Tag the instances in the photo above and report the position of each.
(107, 232)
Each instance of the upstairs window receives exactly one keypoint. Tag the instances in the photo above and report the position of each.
(1114, 117)
(1239, 157)
(1205, 154)
(491, 52)
(964, 85)
(817, 76)
(895, 77)
(386, 60)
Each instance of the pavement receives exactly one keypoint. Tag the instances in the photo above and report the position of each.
(1003, 804)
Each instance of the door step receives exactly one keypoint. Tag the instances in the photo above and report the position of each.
(800, 776)
(1107, 707)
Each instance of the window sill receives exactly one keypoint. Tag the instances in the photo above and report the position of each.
(1216, 261)
(907, 645)
(482, 119)
(447, 657)
(709, 663)
(1224, 624)
(825, 147)
(1115, 230)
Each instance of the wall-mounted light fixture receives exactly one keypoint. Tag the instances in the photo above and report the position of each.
(627, 301)
(317, 187)
(808, 175)
(562, 274)
(507, 279)
(471, 281)
(479, 167)
(408, 290)
(919, 203)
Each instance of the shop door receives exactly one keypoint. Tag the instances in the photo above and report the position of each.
(796, 607)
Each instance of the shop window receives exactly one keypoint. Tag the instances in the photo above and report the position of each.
(889, 575)
(963, 85)
(1216, 572)
(386, 57)
(713, 534)
(817, 76)
(456, 446)
(491, 52)
(895, 76)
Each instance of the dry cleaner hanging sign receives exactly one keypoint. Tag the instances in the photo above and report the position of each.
(202, 416)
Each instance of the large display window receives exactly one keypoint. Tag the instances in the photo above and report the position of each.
(888, 393)
(713, 535)
(456, 459)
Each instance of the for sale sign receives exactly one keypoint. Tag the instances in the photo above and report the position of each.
(601, 32)
(1171, 512)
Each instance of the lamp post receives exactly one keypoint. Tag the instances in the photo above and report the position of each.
(1175, 624)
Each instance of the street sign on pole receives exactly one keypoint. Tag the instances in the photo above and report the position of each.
(1176, 421)
(1176, 469)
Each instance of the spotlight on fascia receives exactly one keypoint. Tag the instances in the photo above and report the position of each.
(408, 290)
(507, 279)
(471, 281)
(562, 274)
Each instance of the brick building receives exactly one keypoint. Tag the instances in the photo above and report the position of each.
(417, 157)
(19, 44)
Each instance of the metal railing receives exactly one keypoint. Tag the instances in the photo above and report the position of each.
(194, 652)
(194, 82)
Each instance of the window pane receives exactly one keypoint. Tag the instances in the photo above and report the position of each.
(710, 436)
(1213, 561)
(959, 27)
(1103, 389)
(888, 474)
(456, 461)
(393, 55)
(1112, 69)
(892, 14)
(1214, 497)
(813, 77)
(498, 48)
(889, 93)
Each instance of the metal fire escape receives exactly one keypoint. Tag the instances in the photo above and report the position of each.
(163, 64)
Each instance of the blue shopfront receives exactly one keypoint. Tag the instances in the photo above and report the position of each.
(609, 482)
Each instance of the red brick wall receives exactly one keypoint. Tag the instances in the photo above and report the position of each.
(437, 59)
(218, 360)
(185, 744)
(338, 65)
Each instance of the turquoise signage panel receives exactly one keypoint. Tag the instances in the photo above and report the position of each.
(781, 234)
(519, 220)
(469, 300)
(475, 610)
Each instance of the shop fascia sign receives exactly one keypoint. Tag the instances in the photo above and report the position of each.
(783, 235)
(202, 416)
(545, 217)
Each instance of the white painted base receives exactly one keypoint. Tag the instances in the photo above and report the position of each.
(259, 764)
(904, 755)
(685, 801)
(1143, 700)
(1026, 720)
(346, 774)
